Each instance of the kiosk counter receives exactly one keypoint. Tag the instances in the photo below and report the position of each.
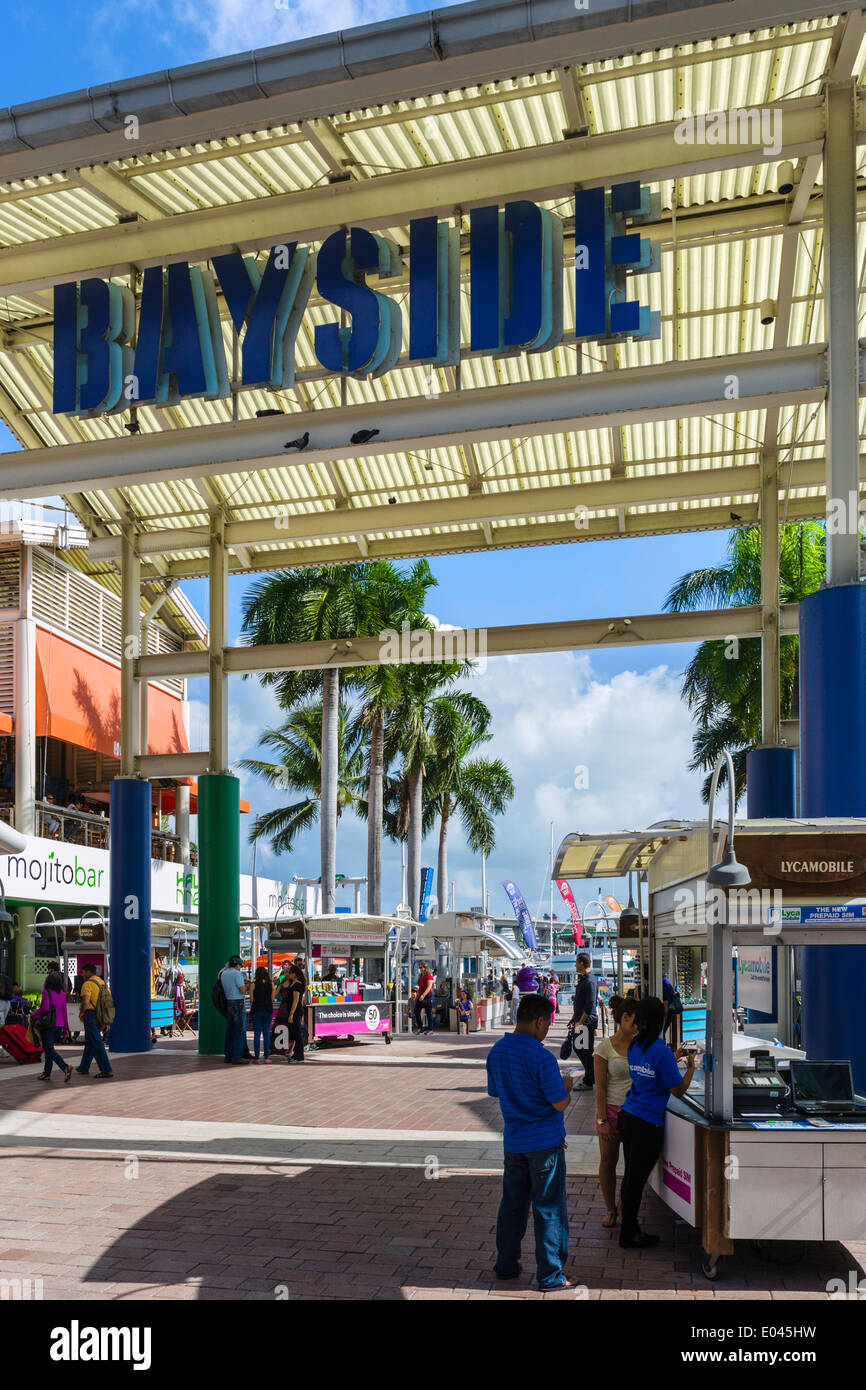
(347, 960)
(769, 1143)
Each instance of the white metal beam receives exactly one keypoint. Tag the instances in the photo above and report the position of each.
(641, 630)
(121, 195)
(531, 408)
(406, 58)
(481, 508)
(711, 517)
(650, 153)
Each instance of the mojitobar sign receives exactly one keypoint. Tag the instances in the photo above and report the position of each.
(105, 361)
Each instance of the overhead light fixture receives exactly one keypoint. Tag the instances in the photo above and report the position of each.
(785, 177)
(629, 915)
(767, 311)
(728, 873)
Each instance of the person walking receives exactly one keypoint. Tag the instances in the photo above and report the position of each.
(51, 1020)
(552, 991)
(655, 1077)
(612, 1085)
(297, 984)
(94, 1047)
(235, 988)
(584, 1018)
(424, 1003)
(532, 1093)
(262, 1012)
(515, 1002)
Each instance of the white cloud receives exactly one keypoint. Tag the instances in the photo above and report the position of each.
(551, 715)
(232, 26)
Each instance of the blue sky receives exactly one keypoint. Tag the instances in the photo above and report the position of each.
(615, 713)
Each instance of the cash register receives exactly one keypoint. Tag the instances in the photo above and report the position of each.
(759, 1088)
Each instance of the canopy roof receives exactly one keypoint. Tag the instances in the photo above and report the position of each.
(627, 851)
(499, 99)
(624, 851)
(464, 928)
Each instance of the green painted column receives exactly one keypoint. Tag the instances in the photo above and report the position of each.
(219, 816)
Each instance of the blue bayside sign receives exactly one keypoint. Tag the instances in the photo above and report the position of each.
(102, 363)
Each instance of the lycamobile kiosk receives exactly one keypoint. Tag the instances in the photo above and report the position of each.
(764, 1146)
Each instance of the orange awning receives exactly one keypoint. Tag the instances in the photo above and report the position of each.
(78, 701)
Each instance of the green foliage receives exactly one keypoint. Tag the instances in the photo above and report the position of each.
(722, 683)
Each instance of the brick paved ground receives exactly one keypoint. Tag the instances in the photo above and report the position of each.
(369, 1223)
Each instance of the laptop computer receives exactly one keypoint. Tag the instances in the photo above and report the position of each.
(825, 1089)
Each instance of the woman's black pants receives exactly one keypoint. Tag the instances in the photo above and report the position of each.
(642, 1145)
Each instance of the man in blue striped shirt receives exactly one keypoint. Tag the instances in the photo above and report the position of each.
(532, 1094)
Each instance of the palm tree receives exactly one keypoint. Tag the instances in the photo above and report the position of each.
(722, 684)
(409, 734)
(477, 788)
(309, 605)
(298, 747)
(392, 598)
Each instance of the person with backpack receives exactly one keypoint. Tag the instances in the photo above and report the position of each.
(234, 988)
(51, 1021)
(96, 1013)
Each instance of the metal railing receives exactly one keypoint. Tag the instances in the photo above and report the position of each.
(84, 828)
(72, 827)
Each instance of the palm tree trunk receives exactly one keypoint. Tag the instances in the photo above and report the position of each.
(374, 813)
(330, 773)
(442, 869)
(416, 790)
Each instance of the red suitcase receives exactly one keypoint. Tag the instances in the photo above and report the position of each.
(13, 1039)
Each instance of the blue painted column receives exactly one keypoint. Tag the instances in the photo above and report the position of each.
(129, 929)
(771, 783)
(833, 783)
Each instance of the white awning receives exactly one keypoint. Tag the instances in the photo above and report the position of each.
(465, 931)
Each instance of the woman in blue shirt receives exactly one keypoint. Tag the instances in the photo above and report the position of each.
(641, 1121)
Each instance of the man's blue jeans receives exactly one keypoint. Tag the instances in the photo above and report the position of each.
(537, 1179)
(235, 1030)
(94, 1047)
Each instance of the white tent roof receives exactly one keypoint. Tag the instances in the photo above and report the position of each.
(463, 927)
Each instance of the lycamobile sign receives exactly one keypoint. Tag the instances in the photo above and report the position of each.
(104, 361)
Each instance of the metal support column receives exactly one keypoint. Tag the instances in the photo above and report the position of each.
(840, 255)
(720, 945)
(25, 704)
(143, 693)
(181, 825)
(218, 691)
(130, 625)
(218, 815)
(771, 770)
(833, 620)
(129, 927)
